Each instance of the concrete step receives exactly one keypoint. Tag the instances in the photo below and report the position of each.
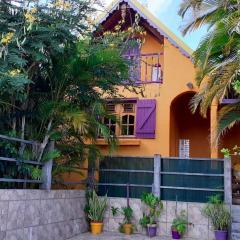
(236, 228)
(235, 236)
(236, 213)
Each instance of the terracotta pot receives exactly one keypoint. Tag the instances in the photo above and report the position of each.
(127, 229)
(96, 228)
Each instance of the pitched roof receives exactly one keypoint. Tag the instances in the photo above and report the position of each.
(152, 21)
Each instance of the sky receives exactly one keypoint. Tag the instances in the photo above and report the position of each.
(166, 11)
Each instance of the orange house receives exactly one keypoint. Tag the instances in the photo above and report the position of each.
(161, 121)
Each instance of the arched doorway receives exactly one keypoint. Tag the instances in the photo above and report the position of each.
(189, 133)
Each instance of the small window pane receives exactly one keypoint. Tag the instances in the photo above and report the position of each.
(125, 119)
(113, 129)
(124, 130)
(106, 121)
(112, 121)
(110, 108)
(128, 107)
(131, 119)
(131, 130)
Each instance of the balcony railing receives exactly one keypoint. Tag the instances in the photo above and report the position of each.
(146, 68)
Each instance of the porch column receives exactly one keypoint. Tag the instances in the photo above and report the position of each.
(214, 116)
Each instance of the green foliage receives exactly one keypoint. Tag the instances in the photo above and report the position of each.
(217, 56)
(180, 223)
(218, 213)
(51, 155)
(235, 151)
(155, 206)
(127, 213)
(145, 220)
(96, 207)
(114, 211)
(54, 74)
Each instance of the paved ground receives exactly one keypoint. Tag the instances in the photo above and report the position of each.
(116, 236)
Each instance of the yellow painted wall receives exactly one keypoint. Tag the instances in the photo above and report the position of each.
(178, 70)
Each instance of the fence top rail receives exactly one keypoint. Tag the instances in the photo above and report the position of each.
(20, 160)
(146, 157)
(17, 139)
(11, 180)
(195, 159)
(170, 158)
(126, 170)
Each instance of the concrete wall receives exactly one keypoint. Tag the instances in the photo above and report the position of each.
(201, 229)
(41, 215)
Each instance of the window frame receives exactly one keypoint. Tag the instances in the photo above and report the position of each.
(120, 113)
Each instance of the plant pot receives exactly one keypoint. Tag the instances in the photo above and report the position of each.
(96, 228)
(127, 229)
(152, 230)
(176, 234)
(221, 235)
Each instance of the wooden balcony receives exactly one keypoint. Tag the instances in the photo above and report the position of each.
(146, 68)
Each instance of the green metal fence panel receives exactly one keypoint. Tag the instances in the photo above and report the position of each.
(202, 174)
(134, 177)
(189, 180)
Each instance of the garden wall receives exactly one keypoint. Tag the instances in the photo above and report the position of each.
(201, 229)
(41, 215)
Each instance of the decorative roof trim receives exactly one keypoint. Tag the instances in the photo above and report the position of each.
(152, 21)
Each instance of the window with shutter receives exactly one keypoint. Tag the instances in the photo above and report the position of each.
(146, 118)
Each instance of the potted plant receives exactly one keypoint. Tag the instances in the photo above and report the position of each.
(219, 215)
(127, 226)
(155, 206)
(179, 225)
(96, 209)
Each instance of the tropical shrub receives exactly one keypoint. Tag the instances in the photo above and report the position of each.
(154, 205)
(180, 223)
(218, 213)
(97, 207)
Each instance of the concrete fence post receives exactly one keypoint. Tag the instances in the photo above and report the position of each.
(156, 178)
(228, 181)
(47, 170)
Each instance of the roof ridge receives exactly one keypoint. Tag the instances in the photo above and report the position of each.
(152, 20)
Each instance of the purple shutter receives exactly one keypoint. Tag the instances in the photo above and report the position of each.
(146, 118)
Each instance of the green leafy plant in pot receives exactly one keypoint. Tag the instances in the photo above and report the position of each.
(95, 212)
(149, 219)
(179, 225)
(219, 215)
(126, 227)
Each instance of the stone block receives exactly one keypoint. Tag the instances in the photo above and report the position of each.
(3, 235)
(162, 229)
(195, 214)
(174, 208)
(16, 212)
(12, 195)
(33, 194)
(198, 232)
(3, 215)
(33, 213)
(17, 234)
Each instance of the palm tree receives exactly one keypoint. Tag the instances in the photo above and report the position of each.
(217, 57)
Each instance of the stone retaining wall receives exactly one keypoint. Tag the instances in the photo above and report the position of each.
(41, 215)
(201, 229)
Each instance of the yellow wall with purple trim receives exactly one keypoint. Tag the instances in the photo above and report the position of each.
(178, 71)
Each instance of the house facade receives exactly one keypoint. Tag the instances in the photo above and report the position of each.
(160, 121)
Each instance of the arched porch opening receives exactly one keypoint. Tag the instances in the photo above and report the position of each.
(188, 130)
